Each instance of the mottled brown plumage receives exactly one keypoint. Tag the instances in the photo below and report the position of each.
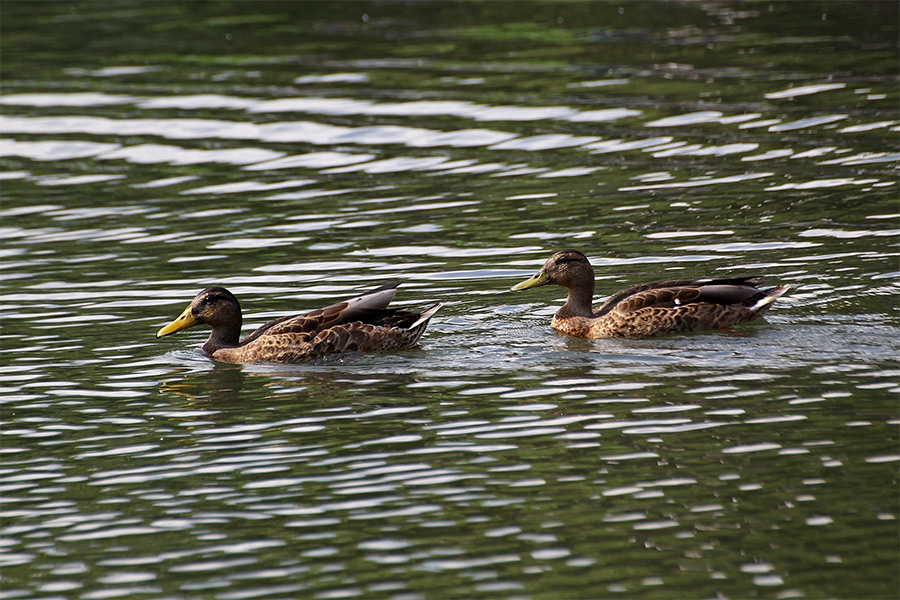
(361, 324)
(649, 309)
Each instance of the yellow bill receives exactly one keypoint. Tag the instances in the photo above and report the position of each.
(184, 320)
(540, 278)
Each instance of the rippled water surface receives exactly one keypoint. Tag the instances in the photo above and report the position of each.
(298, 153)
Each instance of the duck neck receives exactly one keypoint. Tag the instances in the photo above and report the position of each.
(578, 304)
(223, 336)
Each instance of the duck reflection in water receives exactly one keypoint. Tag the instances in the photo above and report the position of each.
(220, 384)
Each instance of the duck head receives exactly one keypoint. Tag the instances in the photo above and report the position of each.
(214, 306)
(567, 268)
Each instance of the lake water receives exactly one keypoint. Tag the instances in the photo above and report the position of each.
(299, 153)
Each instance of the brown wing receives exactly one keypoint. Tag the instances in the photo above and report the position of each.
(307, 323)
(401, 329)
(304, 325)
(670, 294)
(361, 324)
(310, 322)
(701, 304)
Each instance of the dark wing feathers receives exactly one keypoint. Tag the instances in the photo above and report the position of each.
(392, 318)
(360, 324)
(307, 323)
(727, 293)
(264, 328)
(670, 294)
(617, 298)
(354, 309)
(324, 318)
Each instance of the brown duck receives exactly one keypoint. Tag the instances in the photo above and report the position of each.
(652, 308)
(361, 324)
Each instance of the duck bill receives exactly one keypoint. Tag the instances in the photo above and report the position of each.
(184, 320)
(539, 279)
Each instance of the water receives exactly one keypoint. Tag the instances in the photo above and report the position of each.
(300, 153)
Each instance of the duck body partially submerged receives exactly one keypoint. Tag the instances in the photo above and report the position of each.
(360, 324)
(650, 309)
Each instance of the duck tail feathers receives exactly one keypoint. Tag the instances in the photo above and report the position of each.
(771, 296)
(426, 316)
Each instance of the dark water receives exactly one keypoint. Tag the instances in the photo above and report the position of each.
(298, 153)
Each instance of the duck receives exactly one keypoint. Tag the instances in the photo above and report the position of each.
(360, 324)
(650, 309)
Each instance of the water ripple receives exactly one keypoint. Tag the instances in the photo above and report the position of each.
(498, 455)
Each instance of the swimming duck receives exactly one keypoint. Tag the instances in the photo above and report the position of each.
(361, 324)
(652, 308)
